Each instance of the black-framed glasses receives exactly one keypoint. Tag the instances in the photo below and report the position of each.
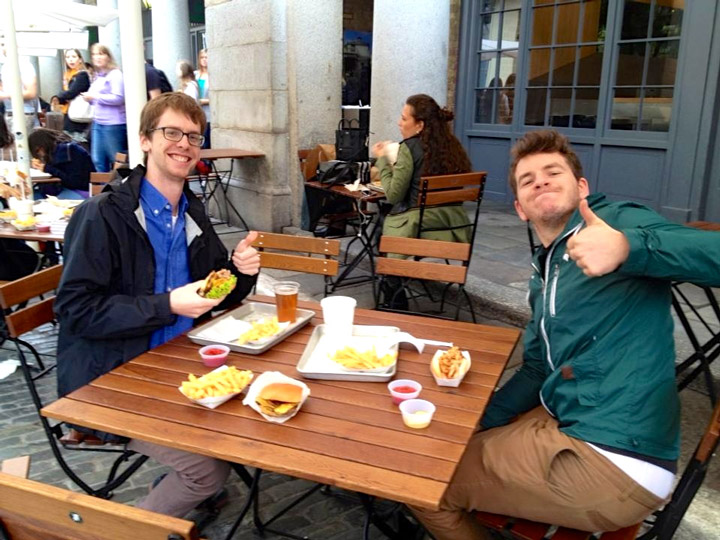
(176, 135)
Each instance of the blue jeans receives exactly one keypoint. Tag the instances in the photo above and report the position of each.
(106, 141)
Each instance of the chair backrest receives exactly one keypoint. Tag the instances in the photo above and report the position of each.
(121, 161)
(282, 251)
(98, 180)
(22, 290)
(31, 510)
(451, 189)
(416, 247)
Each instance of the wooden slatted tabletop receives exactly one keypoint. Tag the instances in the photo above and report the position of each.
(8, 231)
(347, 434)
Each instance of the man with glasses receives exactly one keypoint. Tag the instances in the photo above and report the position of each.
(135, 256)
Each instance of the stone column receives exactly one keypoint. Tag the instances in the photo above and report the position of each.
(110, 35)
(170, 35)
(275, 80)
(406, 62)
(50, 75)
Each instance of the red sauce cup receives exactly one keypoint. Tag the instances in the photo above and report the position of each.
(402, 389)
(214, 355)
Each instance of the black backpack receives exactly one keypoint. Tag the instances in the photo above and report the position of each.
(165, 85)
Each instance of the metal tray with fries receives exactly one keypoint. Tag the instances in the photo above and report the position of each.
(315, 362)
(251, 312)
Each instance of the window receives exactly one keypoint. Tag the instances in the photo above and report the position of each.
(566, 51)
(497, 47)
(646, 64)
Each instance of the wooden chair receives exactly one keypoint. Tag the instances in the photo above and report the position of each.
(24, 319)
(30, 510)
(121, 161)
(299, 253)
(661, 525)
(453, 271)
(98, 180)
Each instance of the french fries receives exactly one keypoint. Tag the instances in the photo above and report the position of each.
(216, 383)
(351, 358)
(263, 328)
(449, 363)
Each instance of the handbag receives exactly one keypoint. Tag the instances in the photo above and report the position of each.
(351, 143)
(333, 173)
(80, 110)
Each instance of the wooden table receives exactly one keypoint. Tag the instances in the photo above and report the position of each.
(8, 231)
(348, 434)
(367, 225)
(224, 176)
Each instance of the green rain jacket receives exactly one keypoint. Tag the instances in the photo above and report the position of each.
(599, 352)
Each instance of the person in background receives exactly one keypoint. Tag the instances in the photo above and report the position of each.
(152, 81)
(28, 78)
(188, 84)
(428, 148)
(76, 80)
(135, 256)
(57, 154)
(107, 94)
(201, 77)
(586, 434)
(7, 141)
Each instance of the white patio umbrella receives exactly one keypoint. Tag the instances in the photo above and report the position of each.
(37, 25)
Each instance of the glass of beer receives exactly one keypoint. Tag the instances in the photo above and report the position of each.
(286, 295)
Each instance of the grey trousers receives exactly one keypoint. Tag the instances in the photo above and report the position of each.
(193, 479)
(532, 470)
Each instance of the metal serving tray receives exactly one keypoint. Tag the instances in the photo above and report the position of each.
(253, 311)
(316, 364)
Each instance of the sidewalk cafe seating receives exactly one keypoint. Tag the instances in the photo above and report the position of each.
(661, 525)
(30, 510)
(415, 268)
(20, 320)
(299, 253)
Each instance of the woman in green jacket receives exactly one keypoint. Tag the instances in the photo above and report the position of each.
(428, 148)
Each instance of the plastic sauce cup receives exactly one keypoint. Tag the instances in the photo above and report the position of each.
(214, 355)
(417, 413)
(403, 389)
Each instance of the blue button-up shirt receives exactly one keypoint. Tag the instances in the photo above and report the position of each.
(171, 254)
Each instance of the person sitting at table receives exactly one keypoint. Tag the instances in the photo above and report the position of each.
(428, 148)
(596, 443)
(135, 256)
(56, 153)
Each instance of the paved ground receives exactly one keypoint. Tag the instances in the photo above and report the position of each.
(497, 282)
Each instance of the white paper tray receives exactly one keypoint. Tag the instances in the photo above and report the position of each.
(253, 311)
(316, 364)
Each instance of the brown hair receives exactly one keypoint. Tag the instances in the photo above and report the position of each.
(443, 153)
(177, 101)
(186, 71)
(81, 67)
(545, 141)
(103, 49)
(43, 142)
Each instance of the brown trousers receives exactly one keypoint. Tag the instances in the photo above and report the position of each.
(530, 469)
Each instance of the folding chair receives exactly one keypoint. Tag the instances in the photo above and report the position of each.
(453, 271)
(25, 319)
(31, 510)
(98, 180)
(661, 525)
(283, 251)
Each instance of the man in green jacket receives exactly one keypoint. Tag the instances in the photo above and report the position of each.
(597, 439)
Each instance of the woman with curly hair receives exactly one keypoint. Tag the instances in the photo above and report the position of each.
(428, 148)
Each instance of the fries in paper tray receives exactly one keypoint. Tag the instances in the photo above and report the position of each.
(364, 359)
(450, 366)
(280, 405)
(217, 387)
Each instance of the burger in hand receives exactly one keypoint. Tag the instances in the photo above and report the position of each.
(279, 399)
(218, 284)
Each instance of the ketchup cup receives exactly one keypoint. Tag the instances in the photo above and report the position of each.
(402, 389)
(214, 355)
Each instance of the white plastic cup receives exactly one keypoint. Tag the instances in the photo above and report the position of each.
(24, 208)
(417, 413)
(338, 314)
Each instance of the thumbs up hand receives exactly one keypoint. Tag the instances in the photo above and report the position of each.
(597, 249)
(245, 257)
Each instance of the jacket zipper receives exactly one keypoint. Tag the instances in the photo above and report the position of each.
(553, 289)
